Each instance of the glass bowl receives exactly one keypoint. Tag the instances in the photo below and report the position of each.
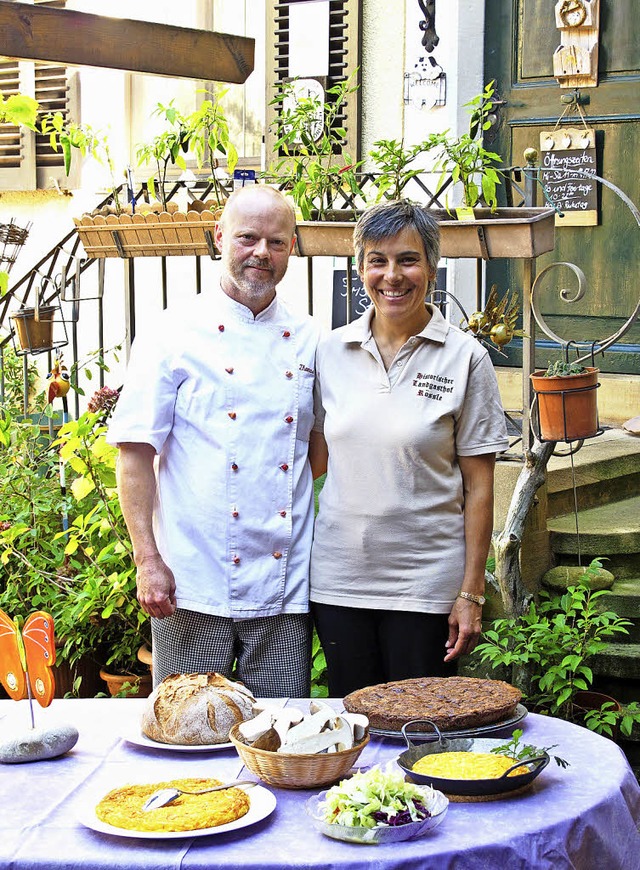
(383, 833)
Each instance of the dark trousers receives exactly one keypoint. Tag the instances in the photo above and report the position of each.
(364, 647)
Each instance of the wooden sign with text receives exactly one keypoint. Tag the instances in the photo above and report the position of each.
(568, 159)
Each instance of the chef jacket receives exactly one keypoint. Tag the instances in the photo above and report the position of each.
(226, 400)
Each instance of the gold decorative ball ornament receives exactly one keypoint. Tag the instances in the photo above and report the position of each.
(477, 321)
(531, 155)
(501, 334)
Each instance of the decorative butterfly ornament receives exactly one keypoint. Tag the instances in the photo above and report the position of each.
(27, 657)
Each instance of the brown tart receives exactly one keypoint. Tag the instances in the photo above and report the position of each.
(453, 703)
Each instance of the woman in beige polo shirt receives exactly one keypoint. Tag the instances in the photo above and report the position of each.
(408, 423)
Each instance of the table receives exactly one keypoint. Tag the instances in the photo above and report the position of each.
(585, 817)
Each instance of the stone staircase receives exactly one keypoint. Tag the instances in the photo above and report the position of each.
(607, 476)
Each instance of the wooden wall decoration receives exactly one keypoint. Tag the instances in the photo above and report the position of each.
(575, 61)
(568, 158)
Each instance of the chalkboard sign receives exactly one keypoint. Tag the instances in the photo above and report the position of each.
(359, 299)
(568, 159)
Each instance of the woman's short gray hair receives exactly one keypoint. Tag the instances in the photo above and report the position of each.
(389, 219)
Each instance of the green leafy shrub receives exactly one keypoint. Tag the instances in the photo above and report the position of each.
(550, 647)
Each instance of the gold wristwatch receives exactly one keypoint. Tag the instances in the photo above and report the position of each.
(477, 599)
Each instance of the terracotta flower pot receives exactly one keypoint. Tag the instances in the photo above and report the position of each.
(35, 333)
(567, 406)
(117, 683)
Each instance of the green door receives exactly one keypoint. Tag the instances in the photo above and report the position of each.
(520, 39)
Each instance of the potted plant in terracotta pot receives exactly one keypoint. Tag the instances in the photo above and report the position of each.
(567, 401)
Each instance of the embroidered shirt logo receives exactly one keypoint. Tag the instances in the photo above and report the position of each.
(432, 386)
(304, 368)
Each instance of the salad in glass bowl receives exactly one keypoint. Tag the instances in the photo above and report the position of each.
(377, 806)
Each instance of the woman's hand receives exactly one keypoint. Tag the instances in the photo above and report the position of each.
(465, 626)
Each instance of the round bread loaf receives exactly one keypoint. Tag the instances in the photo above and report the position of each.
(196, 709)
(451, 702)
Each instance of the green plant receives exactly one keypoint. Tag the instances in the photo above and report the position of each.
(67, 135)
(319, 685)
(21, 110)
(101, 593)
(392, 160)
(549, 648)
(13, 381)
(524, 751)
(466, 160)
(164, 149)
(69, 554)
(314, 167)
(208, 135)
(561, 369)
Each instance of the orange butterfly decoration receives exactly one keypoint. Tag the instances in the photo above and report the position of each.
(27, 657)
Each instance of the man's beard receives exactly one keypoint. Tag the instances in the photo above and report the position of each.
(254, 286)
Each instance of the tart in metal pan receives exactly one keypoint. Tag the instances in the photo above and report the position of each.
(481, 730)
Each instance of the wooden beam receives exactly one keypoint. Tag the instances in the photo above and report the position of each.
(81, 39)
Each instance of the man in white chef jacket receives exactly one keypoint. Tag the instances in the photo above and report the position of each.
(222, 396)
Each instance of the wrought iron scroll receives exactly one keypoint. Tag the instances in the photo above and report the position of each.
(570, 296)
(429, 36)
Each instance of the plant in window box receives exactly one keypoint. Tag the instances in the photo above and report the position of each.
(162, 229)
(550, 648)
(67, 135)
(315, 169)
(208, 133)
(392, 162)
(484, 231)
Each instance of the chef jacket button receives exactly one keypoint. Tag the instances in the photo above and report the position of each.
(288, 374)
(221, 327)
(284, 466)
(286, 334)
(283, 513)
(235, 514)
(232, 414)
(277, 555)
(229, 370)
(234, 467)
(288, 419)
(236, 560)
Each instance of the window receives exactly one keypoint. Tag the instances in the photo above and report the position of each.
(342, 57)
(27, 161)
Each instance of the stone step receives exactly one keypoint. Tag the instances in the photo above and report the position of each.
(620, 661)
(624, 599)
(608, 529)
(605, 469)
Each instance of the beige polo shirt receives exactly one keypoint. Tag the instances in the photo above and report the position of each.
(390, 530)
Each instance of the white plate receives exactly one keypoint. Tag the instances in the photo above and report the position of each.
(140, 739)
(262, 804)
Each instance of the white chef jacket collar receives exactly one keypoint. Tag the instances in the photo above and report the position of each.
(360, 330)
(244, 313)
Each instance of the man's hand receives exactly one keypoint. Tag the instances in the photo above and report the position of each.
(465, 626)
(156, 587)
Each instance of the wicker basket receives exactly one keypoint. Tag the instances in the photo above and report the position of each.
(297, 771)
